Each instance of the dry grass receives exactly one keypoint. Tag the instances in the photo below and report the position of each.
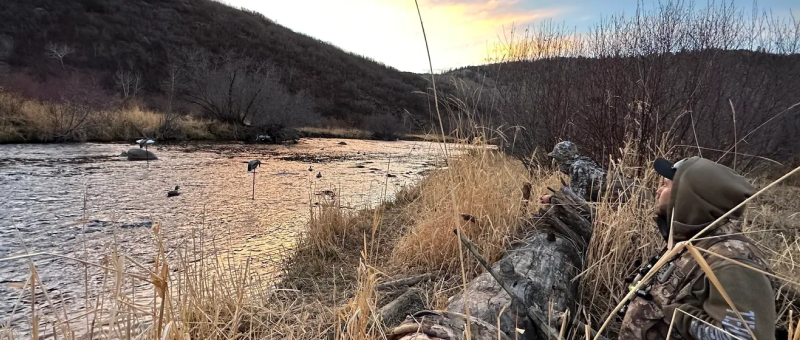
(328, 286)
(484, 184)
(188, 295)
(25, 120)
(324, 132)
(625, 234)
(622, 235)
(352, 133)
(329, 283)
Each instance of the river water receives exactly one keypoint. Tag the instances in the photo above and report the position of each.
(78, 200)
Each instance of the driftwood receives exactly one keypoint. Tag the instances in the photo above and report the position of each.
(508, 281)
(538, 270)
(445, 325)
(394, 312)
(408, 281)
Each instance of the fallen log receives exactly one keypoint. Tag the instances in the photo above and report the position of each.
(538, 270)
(395, 311)
(544, 330)
(510, 277)
(408, 281)
(445, 325)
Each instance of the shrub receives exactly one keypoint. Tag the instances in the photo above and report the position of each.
(384, 127)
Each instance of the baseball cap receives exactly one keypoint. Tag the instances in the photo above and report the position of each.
(666, 168)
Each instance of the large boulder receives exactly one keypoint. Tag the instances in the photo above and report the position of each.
(141, 155)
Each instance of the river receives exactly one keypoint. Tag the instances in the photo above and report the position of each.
(79, 200)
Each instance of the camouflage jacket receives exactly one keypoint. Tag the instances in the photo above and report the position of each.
(700, 310)
(586, 178)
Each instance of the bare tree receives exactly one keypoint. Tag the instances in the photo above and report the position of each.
(128, 82)
(58, 51)
(170, 84)
(245, 93)
(68, 115)
(170, 87)
(670, 78)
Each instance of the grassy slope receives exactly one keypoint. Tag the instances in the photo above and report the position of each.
(147, 36)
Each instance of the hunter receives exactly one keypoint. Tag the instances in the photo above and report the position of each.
(586, 177)
(695, 192)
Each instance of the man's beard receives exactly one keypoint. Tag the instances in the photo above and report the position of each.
(661, 209)
(564, 167)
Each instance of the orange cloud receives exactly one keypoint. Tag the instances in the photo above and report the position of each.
(462, 33)
(459, 31)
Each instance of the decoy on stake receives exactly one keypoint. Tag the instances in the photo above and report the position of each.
(251, 166)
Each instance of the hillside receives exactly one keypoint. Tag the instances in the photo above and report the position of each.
(718, 100)
(146, 37)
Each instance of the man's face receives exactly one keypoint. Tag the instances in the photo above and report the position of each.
(664, 191)
(563, 164)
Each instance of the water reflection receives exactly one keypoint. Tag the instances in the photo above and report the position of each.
(45, 189)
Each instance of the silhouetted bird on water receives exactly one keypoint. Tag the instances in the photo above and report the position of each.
(173, 192)
(319, 175)
(310, 169)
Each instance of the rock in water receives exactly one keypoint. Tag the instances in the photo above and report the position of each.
(140, 155)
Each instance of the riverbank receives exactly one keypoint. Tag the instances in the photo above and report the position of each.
(330, 285)
(49, 189)
(25, 120)
(342, 133)
(341, 270)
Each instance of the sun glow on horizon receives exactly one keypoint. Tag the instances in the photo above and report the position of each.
(459, 32)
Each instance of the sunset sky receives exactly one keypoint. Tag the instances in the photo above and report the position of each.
(459, 31)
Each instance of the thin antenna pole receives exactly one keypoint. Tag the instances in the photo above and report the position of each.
(254, 184)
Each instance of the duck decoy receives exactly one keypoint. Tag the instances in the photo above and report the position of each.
(144, 142)
(174, 192)
(252, 165)
(319, 175)
(310, 169)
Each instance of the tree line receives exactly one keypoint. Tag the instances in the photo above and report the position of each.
(719, 80)
(131, 47)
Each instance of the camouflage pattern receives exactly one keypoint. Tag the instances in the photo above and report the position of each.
(586, 177)
(564, 151)
(650, 320)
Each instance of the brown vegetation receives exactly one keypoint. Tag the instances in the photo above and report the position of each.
(133, 47)
(635, 84)
(716, 77)
(329, 286)
(26, 120)
(484, 185)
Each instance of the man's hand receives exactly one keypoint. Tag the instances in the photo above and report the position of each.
(545, 199)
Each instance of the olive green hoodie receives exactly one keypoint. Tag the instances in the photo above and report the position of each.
(703, 191)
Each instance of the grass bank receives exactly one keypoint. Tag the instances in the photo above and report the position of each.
(352, 133)
(329, 287)
(24, 120)
(414, 235)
